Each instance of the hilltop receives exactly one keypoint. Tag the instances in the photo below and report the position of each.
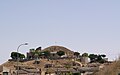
(52, 60)
(59, 48)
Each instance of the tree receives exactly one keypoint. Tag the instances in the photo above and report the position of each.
(14, 55)
(60, 53)
(101, 58)
(46, 53)
(103, 55)
(41, 54)
(76, 54)
(85, 54)
(97, 58)
(32, 50)
(22, 56)
(93, 57)
(39, 48)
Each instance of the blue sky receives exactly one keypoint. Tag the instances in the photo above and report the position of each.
(81, 25)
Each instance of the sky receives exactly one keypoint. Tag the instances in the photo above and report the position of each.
(91, 26)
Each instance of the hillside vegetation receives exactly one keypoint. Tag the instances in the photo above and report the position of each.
(113, 69)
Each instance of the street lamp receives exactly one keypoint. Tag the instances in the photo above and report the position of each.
(18, 55)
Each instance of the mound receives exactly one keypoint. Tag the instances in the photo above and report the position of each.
(59, 48)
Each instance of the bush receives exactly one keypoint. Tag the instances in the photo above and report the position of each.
(76, 74)
(60, 53)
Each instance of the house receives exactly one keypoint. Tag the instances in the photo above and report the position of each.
(84, 60)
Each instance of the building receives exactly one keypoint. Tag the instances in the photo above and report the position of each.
(4, 70)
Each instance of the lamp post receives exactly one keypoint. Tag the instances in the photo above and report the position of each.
(18, 55)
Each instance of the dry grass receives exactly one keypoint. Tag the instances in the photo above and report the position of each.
(112, 69)
(60, 62)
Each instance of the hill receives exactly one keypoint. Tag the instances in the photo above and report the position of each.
(59, 48)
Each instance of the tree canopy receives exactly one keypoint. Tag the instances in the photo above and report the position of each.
(14, 55)
(97, 58)
(85, 54)
(76, 54)
(60, 53)
(46, 53)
